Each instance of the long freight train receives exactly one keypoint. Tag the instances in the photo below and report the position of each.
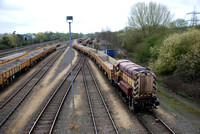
(136, 83)
(14, 66)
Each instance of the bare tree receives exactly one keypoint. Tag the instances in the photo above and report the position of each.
(178, 23)
(109, 37)
(149, 17)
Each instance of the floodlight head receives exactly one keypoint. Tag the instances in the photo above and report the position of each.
(69, 19)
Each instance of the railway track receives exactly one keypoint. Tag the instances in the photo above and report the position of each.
(152, 123)
(13, 102)
(101, 116)
(47, 118)
(6, 52)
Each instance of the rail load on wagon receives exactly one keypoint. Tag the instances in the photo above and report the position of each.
(12, 57)
(10, 70)
(136, 83)
(104, 61)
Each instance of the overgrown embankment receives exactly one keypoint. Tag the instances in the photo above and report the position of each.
(178, 57)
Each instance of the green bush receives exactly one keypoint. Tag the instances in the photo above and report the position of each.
(179, 53)
(130, 39)
(142, 53)
(189, 65)
(3, 46)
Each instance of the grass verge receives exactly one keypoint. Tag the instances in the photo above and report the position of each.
(178, 103)
(160, 78)
(190, 98)
(160, 83)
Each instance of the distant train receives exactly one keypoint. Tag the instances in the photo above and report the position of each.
(136, 84)
(20, 62)
(85, 41)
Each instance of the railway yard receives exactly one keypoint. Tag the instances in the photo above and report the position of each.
(39, 100)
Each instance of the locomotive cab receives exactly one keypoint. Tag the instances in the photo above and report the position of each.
(116, 73)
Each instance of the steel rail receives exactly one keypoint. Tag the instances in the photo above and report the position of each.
(157, 117)
(89, 100)
(9, 114)
(24, 84)
(99, 91)
(162, 122)
(143, 123)
(50, 99)
(62, 102)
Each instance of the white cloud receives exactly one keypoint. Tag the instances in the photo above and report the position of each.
(25, 16)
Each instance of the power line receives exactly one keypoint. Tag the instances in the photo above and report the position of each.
(194, 19)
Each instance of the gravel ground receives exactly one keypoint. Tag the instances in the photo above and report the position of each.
(177, 122)
(49, 84)
(81, 122)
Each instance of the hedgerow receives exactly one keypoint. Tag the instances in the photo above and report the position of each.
(179, 54)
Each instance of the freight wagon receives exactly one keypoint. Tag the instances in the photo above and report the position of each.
(10, 70)
(12, 57)
(136, 84)
(104, 61)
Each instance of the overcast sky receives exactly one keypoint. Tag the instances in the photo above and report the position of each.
(33, 16)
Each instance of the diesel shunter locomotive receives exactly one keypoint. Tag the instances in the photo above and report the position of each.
(137, 84)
